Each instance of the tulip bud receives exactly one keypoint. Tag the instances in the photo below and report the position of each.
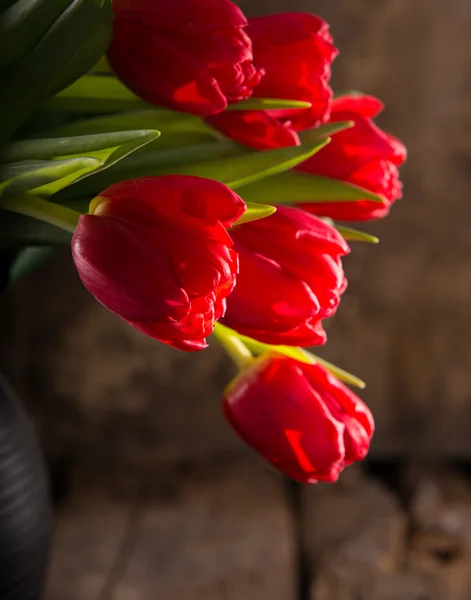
(155, 252)
(189, 55)
(291, 278)
(295, 52)
(299, 418)
(363, 155)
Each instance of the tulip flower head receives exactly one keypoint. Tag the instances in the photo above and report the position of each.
(291, 277)
(189, 55)
(155, 251)
(363, 155)
(295, 51)
(299, 418)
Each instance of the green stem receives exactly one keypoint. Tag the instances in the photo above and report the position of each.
(233, 345)
(302, 355)
(341, 374)
(40, 209)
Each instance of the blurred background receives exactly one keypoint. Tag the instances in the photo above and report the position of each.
(156, 498)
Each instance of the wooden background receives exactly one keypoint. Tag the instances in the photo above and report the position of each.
(158, 500)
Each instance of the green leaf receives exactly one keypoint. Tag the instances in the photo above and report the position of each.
(107, 157)
(23, 24)
(29, 259)
(60, 147)
(341, 374)
(70, 48)
(255, 212)
(159, 158)
(293, 188)
(17, 231)
(95, 161)
(177, 128)
(7, 3)
(268, 104)
(47, 177)
(325, 130)
(304, 356)
(23, 176)
(239, 169)
(355, 235)
(242, 170)
(97, 93)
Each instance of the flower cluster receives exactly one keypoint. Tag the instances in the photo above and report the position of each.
(157, 252)
(172, 249)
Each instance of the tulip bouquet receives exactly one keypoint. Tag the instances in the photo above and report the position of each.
(195, 161)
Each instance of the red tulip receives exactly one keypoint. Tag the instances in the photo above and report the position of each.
(363, 155)
(295, 52)
(299, 417)
(189, 55)
(155, 252)
(290, 278)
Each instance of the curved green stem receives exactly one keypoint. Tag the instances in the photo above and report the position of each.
(297, 354)
(233, 345)
(341, 374)
(40, 209)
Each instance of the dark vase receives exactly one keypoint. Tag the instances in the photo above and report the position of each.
(25, 513)
(25, 508)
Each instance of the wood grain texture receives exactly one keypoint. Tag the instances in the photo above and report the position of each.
(355, 539)
(225, 530)
(365, 541)
(203, 533)
(440, 548)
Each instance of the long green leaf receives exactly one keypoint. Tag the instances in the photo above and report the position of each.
(105, 93)
(59, 147)
(47, 177)
(107, 157)
(267, 164)
(268, 104)
(294, 188)
(69, 48)
(237, 170)
(255, 212)
(178, 129)
(166, 121)
(21, 177)
(325, 130)
(157, 158)
(23, 24)
(97, 93)
(303, 356)
(355, 235)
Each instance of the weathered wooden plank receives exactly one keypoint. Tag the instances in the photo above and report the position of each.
(441, 531)
(89, 533)
(355, 538)
(363, 542)
(203, 533)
